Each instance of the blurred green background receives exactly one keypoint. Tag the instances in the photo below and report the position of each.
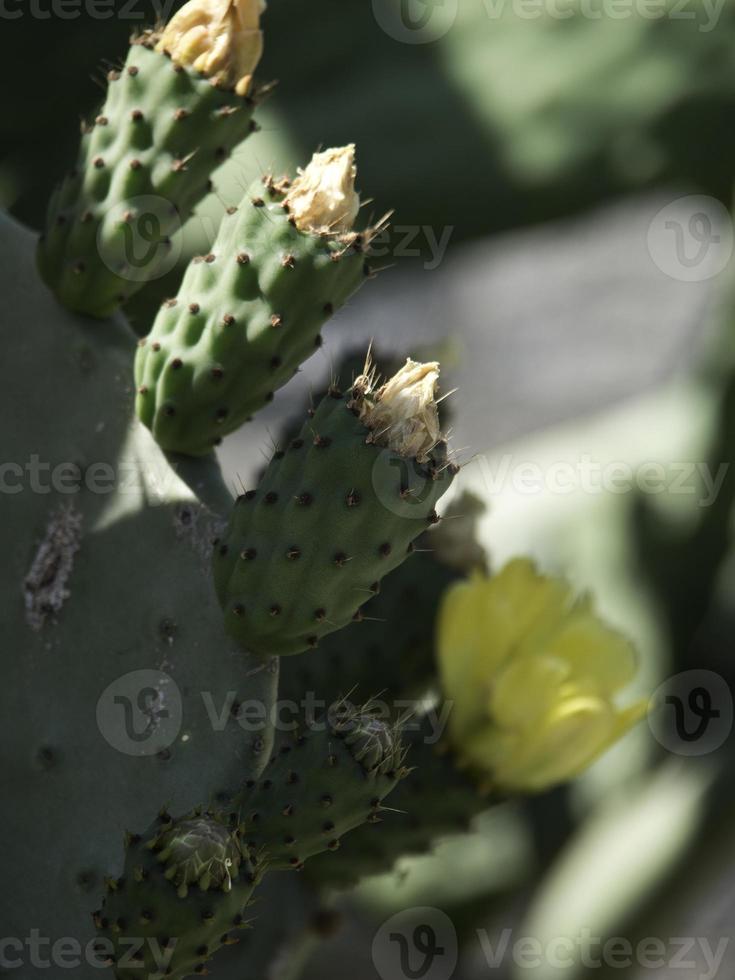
(546, 144)
(486, 121)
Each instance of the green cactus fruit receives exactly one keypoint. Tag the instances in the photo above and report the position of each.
(333, 514)
(435, 801)
(246, 315)
(318, 787)
(182, 896)
(143, 165)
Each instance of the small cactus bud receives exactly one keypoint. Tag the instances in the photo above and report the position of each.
(373, 743)
(322, 199)
(200, 851)
(401, 414)
(219, 38)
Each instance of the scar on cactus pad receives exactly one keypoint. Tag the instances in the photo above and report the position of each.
(334, 513)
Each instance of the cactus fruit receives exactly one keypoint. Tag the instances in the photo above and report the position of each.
(145, 162)
(334, 513)
(183, 895)
(329, 780)
(251, 311)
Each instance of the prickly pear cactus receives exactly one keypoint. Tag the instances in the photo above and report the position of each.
(151, 817)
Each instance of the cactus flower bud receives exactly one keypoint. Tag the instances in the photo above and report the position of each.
(200, 851)
(532, 675)
(322, 199)
(402, 414)
(219, 38)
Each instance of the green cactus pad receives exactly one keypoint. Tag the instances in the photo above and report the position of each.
(319, 786)
(101, 584)
(333, 514)
(435, 801)
(246, 316)
(183, 895)
(143, 165)
(388, 655)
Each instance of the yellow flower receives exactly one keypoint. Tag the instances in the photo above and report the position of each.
(531, 675)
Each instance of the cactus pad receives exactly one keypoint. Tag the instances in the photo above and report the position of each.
(182, 896)
(320, 786)
(144, 163)
(436, 801)
(333, 514)
(246, 316)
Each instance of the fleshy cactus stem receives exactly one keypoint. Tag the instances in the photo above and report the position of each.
(218, 38)
(333, 514)
(247, 316)
(322, 199)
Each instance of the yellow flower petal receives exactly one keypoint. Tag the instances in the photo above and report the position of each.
(575, 733)
(526, 690)
(594, 651)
